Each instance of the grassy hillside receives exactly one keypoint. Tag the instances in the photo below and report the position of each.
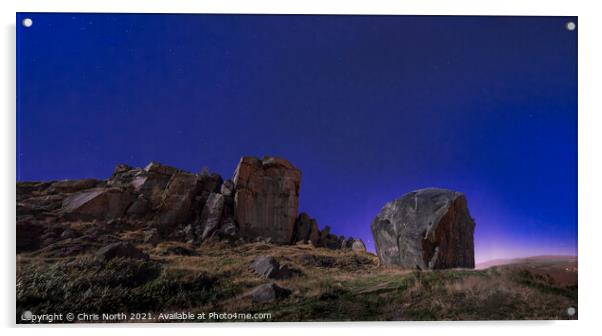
(328, 285)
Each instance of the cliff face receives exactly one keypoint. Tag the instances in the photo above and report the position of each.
(425, 229)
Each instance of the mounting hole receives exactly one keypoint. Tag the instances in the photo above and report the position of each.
(27, 22)
(571, 26)
(570, 311)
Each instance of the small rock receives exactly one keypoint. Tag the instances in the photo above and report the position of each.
(269, 292)
(120, 250)
(68, 233)
(358, 246)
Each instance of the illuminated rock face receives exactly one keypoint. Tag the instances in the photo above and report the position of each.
(425, 229)
(266, 198)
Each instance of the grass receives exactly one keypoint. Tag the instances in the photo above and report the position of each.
(329, 285)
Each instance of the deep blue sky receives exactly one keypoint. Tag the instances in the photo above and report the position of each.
(368, 107)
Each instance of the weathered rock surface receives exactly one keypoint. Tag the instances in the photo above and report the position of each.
(268, 267)
(97, 203)
(269, 292)
(74, 185)
(159, 203)
(266, 198)
(212, 215)
(177, 200)
(425, 229)
(120, 250)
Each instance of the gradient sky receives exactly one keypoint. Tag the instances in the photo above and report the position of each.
(368, 107)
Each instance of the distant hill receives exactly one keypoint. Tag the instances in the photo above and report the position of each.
(560, 270)
(534, 259)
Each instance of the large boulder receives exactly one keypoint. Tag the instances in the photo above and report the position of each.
(425, 229)
(97, 203)
(266, 198)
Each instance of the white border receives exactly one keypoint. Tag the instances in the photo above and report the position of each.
(590, 141)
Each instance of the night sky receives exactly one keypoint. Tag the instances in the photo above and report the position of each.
(368, 107)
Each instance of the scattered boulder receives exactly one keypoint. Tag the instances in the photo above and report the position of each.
(266, 198)
(268, 267)
(358, 246)
(120, 250)
(425, 229)
(269, 292)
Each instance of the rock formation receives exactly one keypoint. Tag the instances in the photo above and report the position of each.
(306, 229)
(266, 198)
(165, 203)
(425, 229)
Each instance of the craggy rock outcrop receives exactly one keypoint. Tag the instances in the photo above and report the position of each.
(165, 203)
(266, 198)
(425, 229)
